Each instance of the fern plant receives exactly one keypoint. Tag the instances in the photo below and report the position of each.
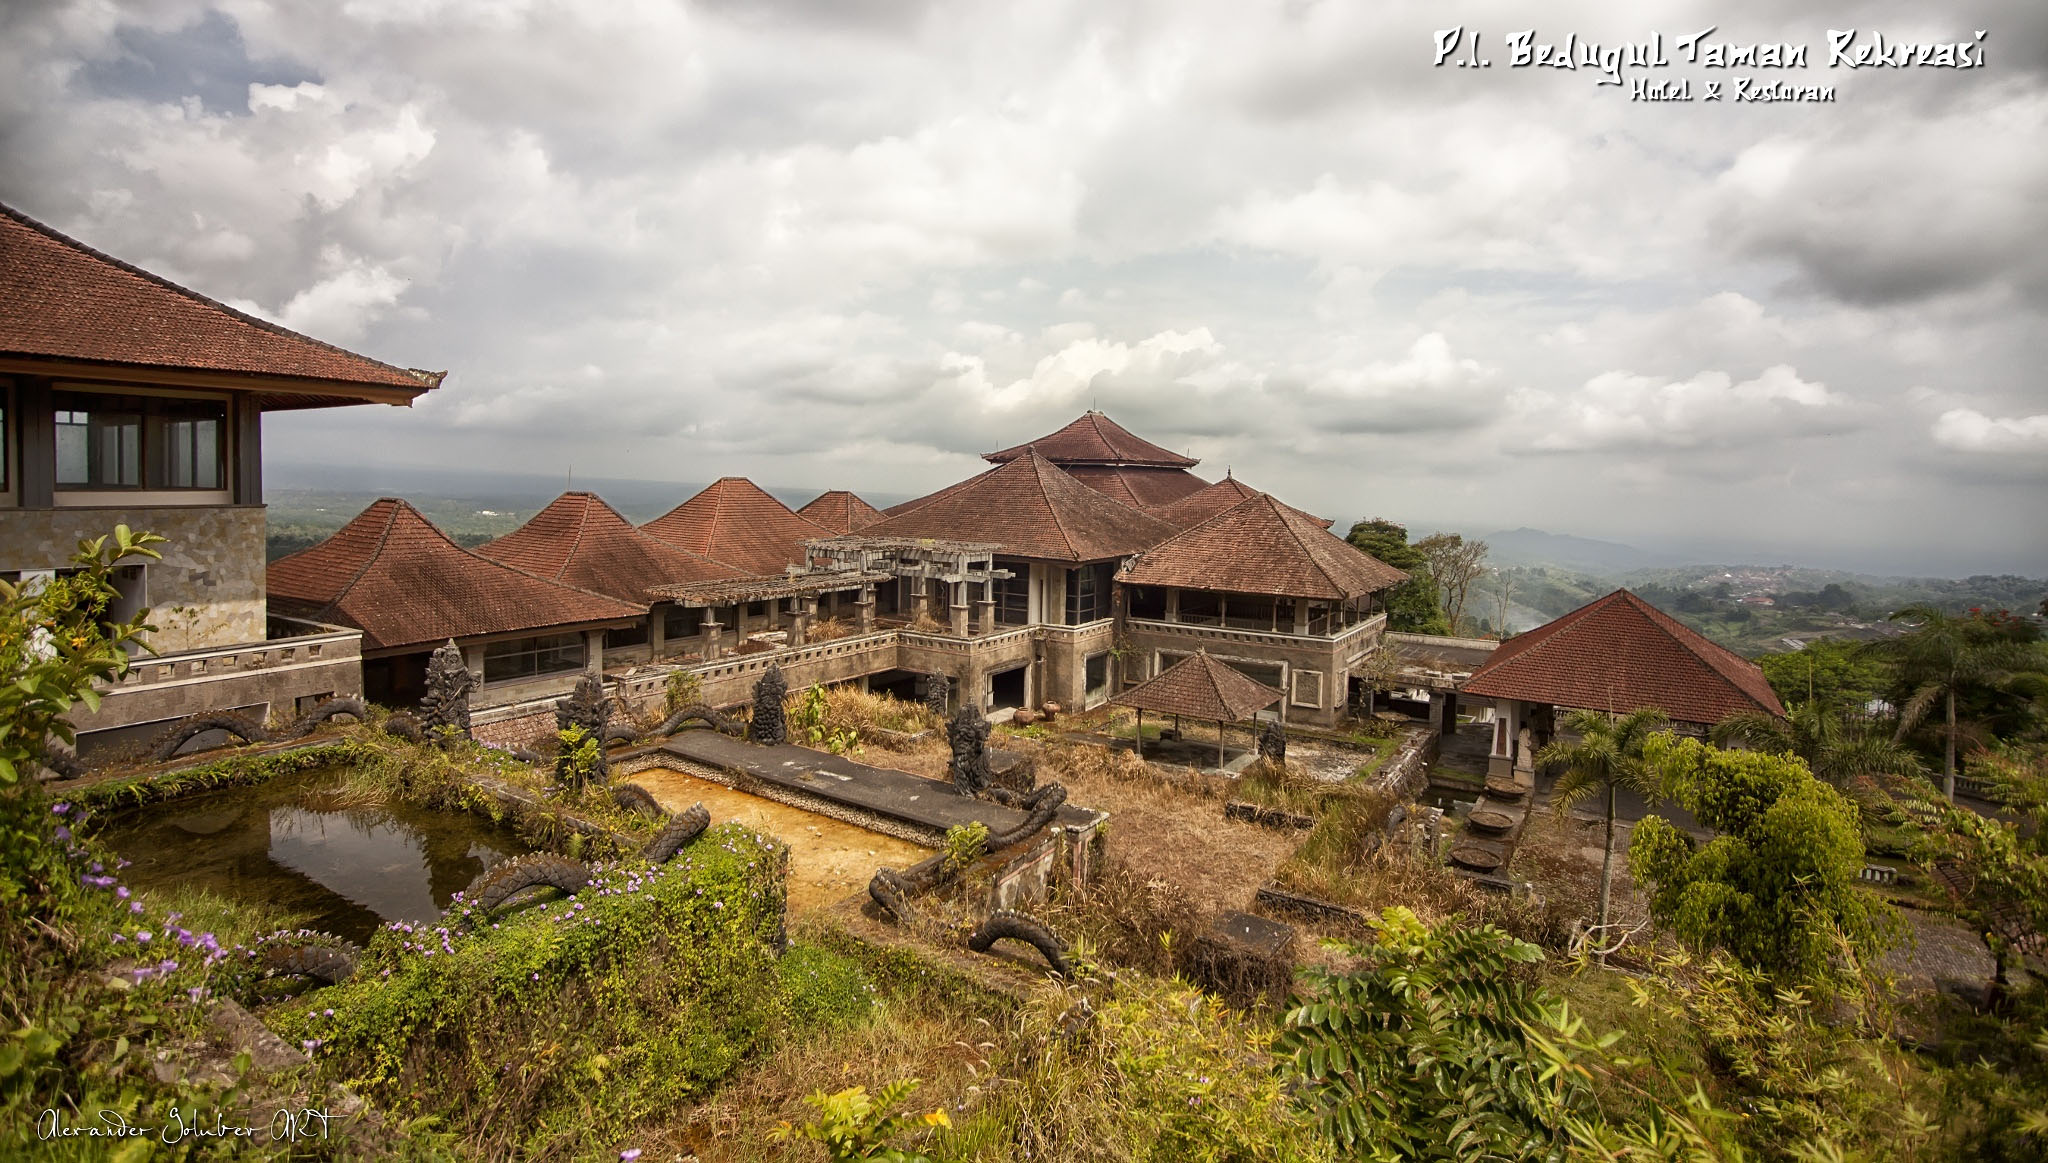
(1426, 1052)
(853, 1124)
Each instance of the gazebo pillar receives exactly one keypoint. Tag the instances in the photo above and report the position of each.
(985, 609)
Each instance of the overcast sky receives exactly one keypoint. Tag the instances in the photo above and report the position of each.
(854, 243)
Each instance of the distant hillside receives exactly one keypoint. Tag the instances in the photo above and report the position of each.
(1526, 546)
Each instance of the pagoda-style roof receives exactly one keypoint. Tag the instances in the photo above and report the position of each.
(736, 522)
(391, 574)
(1620, 653)
(1095, 439)
(841, 512)
(581, 541)
(1200, 687)
(1030, 508)
(1147, 489)
(1227, 493)
(69, 311)
(1260, 546)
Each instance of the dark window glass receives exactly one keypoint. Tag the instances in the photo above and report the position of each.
(682, 622)
(634, 635)
(129, 442)
(1146, 602)
(1088, 593)
(1013, 596)
(532, 657)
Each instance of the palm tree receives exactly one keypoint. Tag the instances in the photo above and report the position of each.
(1607, 756)
(1941, 655)
(1834, 748)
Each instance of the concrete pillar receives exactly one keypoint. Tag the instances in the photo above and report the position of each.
(985, 615)
(714, 635)
(1301, 615)
(593, 651)
(865, 606)
(1507, 727)
(800, 619)
(1172, 604)
(657, 639)
(958, 609)
(921, 601)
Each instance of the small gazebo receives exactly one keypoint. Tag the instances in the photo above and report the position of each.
(1199, 687)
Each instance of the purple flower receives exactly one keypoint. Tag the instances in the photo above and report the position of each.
(63, 833)
(121, 893)
(135, 906)
(60, 808)
(143, 936)
(629, 1154)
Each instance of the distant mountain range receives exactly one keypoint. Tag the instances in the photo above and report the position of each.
(1526, 546)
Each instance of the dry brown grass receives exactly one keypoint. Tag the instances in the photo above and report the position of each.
(828, 630)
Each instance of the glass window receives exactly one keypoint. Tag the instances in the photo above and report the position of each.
(532, 657)
(1013, 596)
(1088, 593)
(125, 442)
(682, 622)
(619, 637)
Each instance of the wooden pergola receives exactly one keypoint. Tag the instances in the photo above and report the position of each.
(1199, 687)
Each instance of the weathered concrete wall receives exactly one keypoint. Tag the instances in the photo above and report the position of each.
(1066, 661)
(206, 592)
(1328, 659)
(265, 679)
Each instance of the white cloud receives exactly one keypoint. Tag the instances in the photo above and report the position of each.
(1619, 410)
(1970, 431)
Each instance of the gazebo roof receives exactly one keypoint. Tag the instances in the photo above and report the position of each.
(1200, 687)
(1620, 653)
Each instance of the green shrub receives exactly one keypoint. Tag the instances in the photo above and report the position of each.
(642, 992)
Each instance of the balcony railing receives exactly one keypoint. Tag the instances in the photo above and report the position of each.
(1348, 636)
(313, 644)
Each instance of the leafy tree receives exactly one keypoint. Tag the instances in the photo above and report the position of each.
(1412, 606)
(1836, 747)
(1607, 756)
(1777, 886)
(1831, 669)
(1942, 657)
(1455, 563)
(55, 644)
(1427, 1052)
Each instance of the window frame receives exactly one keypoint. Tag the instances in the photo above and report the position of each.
(535, 648)
(155, 420)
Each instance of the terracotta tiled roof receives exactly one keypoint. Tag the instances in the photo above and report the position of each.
(1620, 653)
(391, 574)
(735, 522)
(1031, 509)
(61, 300)
(1095, 439)
(1200, 687)
(1260, 546)
(841, 512)
(579, 540)
(1196, 508)
(1150, 489)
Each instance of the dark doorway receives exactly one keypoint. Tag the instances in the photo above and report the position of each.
(398, 681)
(1006, 689)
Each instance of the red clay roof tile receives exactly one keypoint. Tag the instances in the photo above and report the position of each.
(1030, 508)
(1196, 508)
(62, 300)
(1200, 687)
(1260, 546)
(734, 521)
(1095, 439)
(579, 540)
(840, 511)
(391, 574)
(1149, 489)
(1620, 653)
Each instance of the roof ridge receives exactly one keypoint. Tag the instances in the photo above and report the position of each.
(1690, 640)
(430, 379)
(576, 542)
(1308, 550)
(1035, 461)
(376, 548)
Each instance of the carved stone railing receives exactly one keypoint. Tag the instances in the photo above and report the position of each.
(320, 645)
(1355, 635)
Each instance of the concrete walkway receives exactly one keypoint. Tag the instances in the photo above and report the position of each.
(925, 804)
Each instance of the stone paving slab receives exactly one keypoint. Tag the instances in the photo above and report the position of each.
(898, 795)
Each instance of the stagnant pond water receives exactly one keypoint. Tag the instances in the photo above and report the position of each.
(292, 842)
(828, 859)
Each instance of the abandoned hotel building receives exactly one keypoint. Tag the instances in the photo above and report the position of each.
(1077, 566)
